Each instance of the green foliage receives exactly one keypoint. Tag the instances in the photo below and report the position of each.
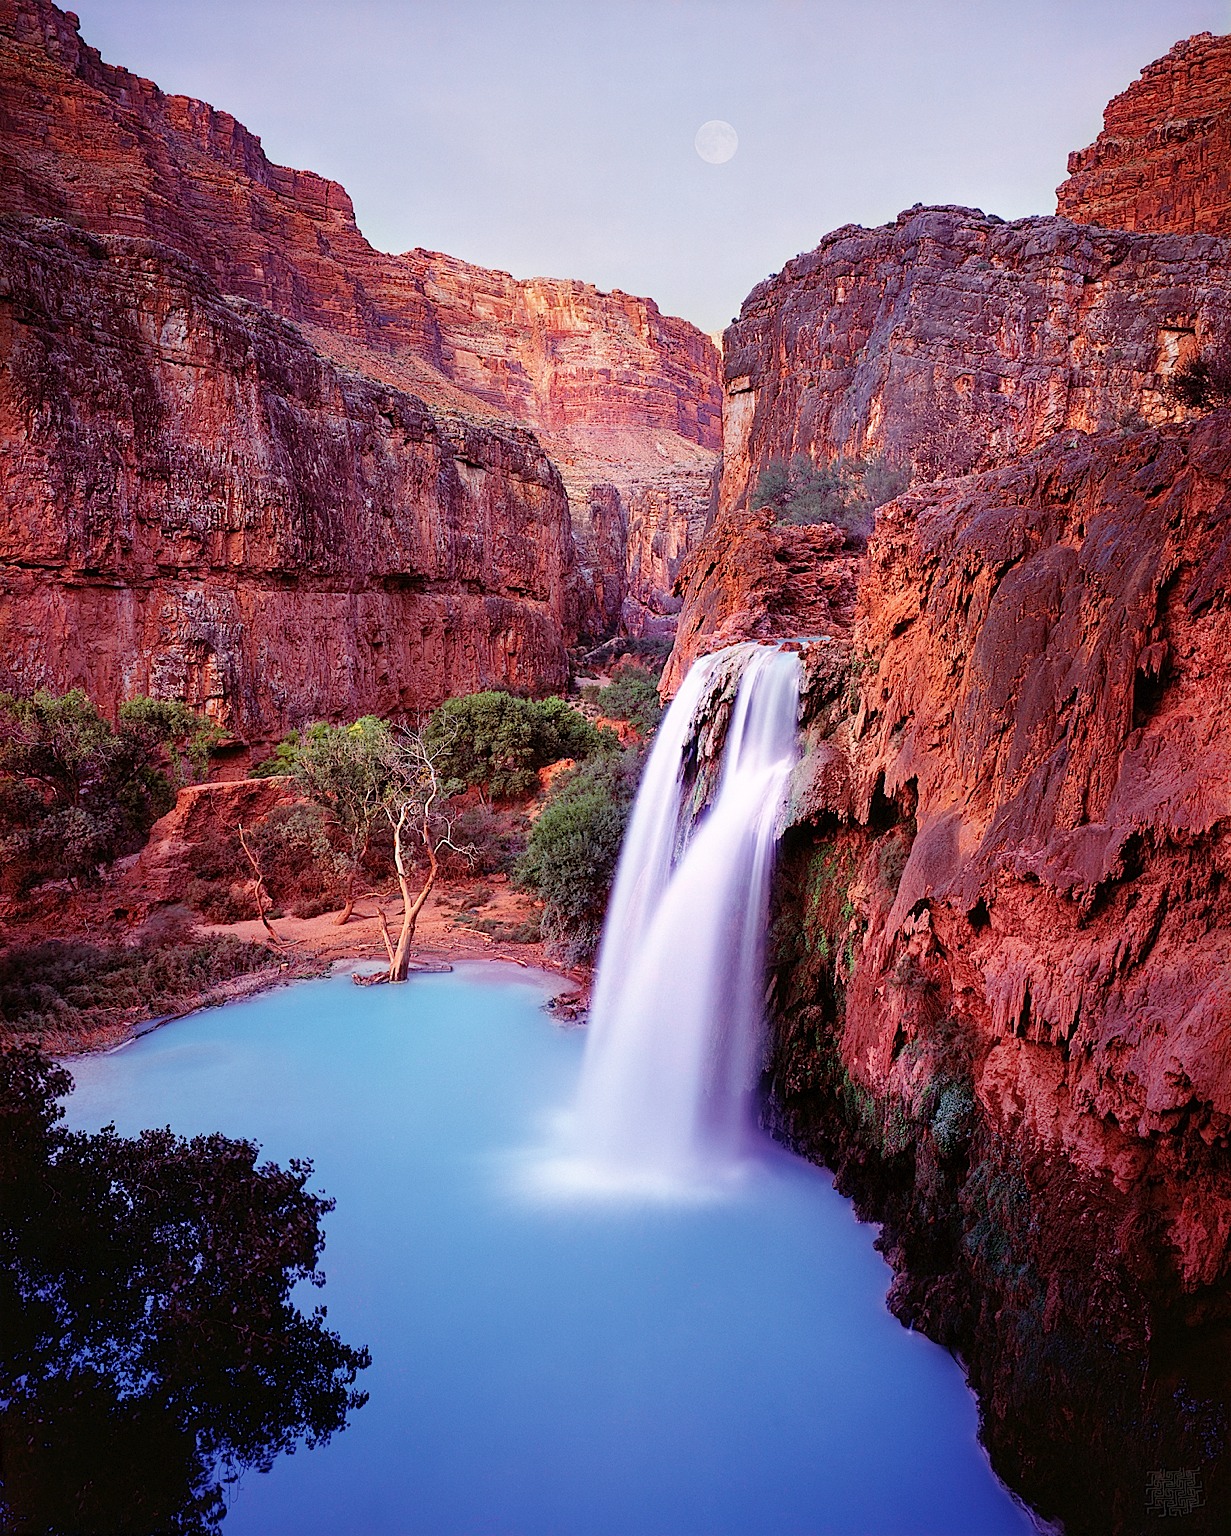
(953, 1118)
(496, 839)
(346, 770)
(188, 738)
(632, 695)
(573, 848)
(61, 986)
(282, 760)
(495, 742)
(151, 1349)
(76, 793)
(304, 872)
(845, 492)
(1202, 384)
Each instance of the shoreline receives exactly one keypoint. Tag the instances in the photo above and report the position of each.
(312, 948)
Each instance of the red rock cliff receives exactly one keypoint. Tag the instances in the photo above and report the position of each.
(1163, 159)
(620, 394)
(948, 342)
(194, 503)
(1000, 976)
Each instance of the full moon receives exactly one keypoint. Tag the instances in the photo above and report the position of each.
(716, 141)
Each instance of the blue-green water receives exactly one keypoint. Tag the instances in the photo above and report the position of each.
(547, 1367)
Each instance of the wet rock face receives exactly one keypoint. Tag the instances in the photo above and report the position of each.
(1163, 159)
(195, 504)
(1002, 978)
(617, 393)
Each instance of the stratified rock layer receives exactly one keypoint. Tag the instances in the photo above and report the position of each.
(948, 342)
(952, 342)
(619, 394)
(1163, 159)
(1003, 981)
(195, 504)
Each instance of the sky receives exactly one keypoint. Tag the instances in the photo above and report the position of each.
(556, 137)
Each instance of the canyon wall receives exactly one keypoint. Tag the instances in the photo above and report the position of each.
(1163, 159)
(1000, 977)
(949, 342)
(624, 400)
(196, 504)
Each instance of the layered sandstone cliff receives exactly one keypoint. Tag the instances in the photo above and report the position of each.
(626, 400)
(947, 342)
(196, 504)
(1000, 972)
(1163, 159)
(1001, 968)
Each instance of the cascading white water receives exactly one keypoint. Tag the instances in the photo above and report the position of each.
(678, 1010)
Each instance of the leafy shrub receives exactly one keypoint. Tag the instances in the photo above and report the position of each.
(77, 793)
(573, 848)
(64, 985)
(1202, 384)
(496, 742)
(283, 759)
(496, 840)
(632, 695)
(953, 1118)
(301, 866)
(845, 492)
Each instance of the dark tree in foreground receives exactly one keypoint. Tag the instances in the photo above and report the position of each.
(150, 1351)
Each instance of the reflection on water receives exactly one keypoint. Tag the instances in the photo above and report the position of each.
(150, 1350)
(547, 1365)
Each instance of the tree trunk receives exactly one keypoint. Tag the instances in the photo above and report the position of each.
(348, 905)
(411, 906)
(258, 888)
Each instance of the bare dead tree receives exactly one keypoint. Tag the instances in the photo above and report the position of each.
(414, 806)
(259, 894)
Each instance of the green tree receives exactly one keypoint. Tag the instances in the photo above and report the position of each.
(632, 695)
(77, 793)
(151, 1350)
(281, 760)
(495, 742)
(573, 849)
(345, 769)
(845, 492)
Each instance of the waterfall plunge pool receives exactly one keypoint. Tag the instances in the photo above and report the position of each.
(556, 1367)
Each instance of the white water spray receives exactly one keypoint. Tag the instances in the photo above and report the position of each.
(678, 1013)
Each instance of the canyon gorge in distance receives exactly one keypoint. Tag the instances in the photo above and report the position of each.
(254, 465)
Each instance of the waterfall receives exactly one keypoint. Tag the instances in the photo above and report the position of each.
(676, 1024)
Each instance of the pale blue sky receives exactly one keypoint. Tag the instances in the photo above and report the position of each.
(555, 137)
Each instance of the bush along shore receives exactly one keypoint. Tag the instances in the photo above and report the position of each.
(493, 828)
